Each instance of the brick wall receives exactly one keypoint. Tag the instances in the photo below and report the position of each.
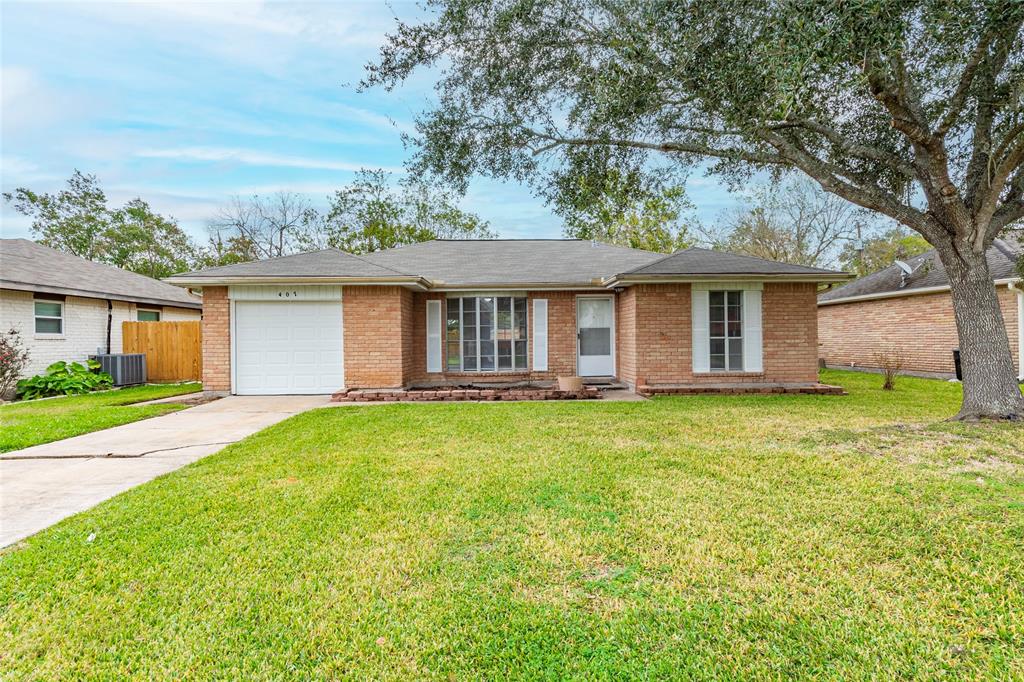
(664, 333)
(920, 328)
(625, 318)
(789, 321)
(377, 323)
(216, 339)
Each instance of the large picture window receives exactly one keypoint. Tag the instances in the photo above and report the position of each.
(725, 316)
(486, 334)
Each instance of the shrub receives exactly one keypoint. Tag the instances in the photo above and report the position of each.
(63, 378)
(13, 360)
(890, 363)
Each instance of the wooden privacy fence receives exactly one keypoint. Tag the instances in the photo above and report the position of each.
(174, 350)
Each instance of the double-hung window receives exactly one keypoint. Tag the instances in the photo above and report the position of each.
(725, 318)
(486, 334)
(49, 317)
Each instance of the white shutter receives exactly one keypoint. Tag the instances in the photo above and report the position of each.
(540, 334)
(752, 353)
(701, 346)
(433, 336)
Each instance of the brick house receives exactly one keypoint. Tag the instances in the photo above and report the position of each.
(892, 312)
(451, 312)
(68, 308)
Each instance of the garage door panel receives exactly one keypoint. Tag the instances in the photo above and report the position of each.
(288, 347)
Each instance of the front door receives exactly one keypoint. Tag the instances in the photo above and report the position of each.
(595, 334)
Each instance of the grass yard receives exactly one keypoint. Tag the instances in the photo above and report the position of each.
(40, 421)
(759, 537)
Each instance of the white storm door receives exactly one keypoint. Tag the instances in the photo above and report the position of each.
(288, 347)
(595, 337)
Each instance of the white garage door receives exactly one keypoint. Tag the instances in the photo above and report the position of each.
(288, 347)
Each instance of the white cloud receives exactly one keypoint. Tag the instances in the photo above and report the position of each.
(252, 158)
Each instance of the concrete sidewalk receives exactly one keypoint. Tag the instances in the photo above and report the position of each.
(43, 484)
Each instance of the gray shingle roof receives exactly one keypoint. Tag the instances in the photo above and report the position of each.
(696, 261)
(512, 261)
(28, 266)
(497, 262)
(928, 272)
(326, 263)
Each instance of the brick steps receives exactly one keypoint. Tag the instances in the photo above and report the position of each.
(454, 395)
(766, 389)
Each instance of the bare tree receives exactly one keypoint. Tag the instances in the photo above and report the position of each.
(795, 222)
(271, 226)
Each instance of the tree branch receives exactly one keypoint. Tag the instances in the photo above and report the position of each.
(830, 177)
(959, 97)
(843, 142)
(668, 147)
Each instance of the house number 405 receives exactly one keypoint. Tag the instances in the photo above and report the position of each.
(287, 294)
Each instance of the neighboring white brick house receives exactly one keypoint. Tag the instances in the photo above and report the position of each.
(80, 291)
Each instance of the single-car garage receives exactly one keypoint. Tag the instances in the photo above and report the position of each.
(286, 340)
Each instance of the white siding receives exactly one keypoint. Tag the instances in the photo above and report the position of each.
(85, 327)
(180, 314)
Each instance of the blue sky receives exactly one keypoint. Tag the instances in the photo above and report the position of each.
(185, 104)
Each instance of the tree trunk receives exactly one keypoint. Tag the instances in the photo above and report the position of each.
(989, 377)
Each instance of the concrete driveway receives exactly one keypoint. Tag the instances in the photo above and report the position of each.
(43, 484)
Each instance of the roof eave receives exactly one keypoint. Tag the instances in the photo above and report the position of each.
(193, 281)
(900, 293)
(629, 280)
(101, 295)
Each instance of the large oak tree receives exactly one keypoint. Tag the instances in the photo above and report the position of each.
(911, 108)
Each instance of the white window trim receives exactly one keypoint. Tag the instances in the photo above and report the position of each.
(728, 339)
(61, 317)
(751, 322)
(477, 295)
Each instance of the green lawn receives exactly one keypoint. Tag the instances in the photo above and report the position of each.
(40, 421)
(759, 537)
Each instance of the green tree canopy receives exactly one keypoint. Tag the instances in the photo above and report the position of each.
(882, 250)
(621, 213)
(78, 220)
(370, 214)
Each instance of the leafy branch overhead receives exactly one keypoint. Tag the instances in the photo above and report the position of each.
(875, 100)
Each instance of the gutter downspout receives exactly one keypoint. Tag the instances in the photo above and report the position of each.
(110, 321)
(1020, 329)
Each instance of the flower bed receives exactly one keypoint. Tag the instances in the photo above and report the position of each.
(462, 394)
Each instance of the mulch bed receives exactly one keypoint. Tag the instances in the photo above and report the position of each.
(816, 389)
(463, 394)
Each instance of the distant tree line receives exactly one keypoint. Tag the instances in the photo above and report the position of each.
(368, 214)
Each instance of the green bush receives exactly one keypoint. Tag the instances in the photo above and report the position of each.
(63, 378)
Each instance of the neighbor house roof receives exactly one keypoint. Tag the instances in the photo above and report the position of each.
(928, 275)
(477, 263)
(27, 266)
